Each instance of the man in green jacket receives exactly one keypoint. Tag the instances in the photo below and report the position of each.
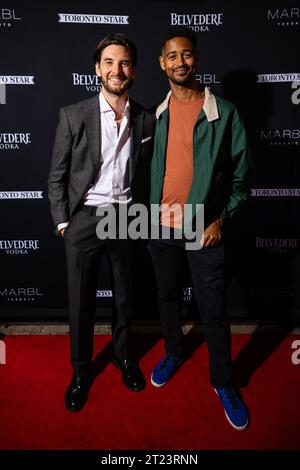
(201, 157)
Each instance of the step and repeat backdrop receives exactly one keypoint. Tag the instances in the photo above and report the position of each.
(249, 54)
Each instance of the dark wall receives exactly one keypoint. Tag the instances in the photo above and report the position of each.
(249, 54)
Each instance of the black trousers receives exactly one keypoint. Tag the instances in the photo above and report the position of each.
(83, 253)
(207, 271)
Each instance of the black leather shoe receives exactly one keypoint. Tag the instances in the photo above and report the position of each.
(132, 376)
(77, 392)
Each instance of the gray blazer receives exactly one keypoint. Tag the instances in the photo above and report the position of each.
(76, 158)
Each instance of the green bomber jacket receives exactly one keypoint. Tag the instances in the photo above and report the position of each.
(221, 157)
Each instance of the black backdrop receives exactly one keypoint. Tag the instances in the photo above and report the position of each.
(249, 53)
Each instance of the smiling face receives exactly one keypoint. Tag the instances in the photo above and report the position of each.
(179, 60)
(115, 69)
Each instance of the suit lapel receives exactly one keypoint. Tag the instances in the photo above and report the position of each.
(93, 131)
(136, 125)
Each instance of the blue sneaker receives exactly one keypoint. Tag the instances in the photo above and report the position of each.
(165, 369)
(235, 410)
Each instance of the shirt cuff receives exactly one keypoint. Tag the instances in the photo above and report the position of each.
(62, 225)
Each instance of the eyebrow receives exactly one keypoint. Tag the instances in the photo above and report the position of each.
(111, 58)
(175, 52)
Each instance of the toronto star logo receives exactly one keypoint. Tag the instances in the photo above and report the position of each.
(92, 19)
(278, 77)
(275, 192)
(13, 80)
(284, 77)
(104, 293)
(21, 194)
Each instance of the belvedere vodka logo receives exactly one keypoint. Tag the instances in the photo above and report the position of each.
(20, 294)
(199, 22)
(272, 294)
(92, 83)
(277, 245)
(187, 294)
(8, 17)
(19, 247)
(284, 16)
(13, 141)
(280, 136)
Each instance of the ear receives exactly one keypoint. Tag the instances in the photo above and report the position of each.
(97, 69)
(162, 62)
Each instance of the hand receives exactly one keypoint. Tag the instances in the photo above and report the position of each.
(62, 231)
(212, 234)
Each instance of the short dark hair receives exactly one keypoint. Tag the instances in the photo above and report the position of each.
(182, 32)
(118, 39)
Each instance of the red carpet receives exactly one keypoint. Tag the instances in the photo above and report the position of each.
(185, 414)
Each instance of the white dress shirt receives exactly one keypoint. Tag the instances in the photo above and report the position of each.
(112, 184)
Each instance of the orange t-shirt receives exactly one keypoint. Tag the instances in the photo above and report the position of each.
(179, 158)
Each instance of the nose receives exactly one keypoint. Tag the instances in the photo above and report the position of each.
(117, 68)
(180, 60)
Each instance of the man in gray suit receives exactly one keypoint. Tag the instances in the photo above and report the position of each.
(101, 158)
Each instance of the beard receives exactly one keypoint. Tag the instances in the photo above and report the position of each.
(184, 79)
(116, 89)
